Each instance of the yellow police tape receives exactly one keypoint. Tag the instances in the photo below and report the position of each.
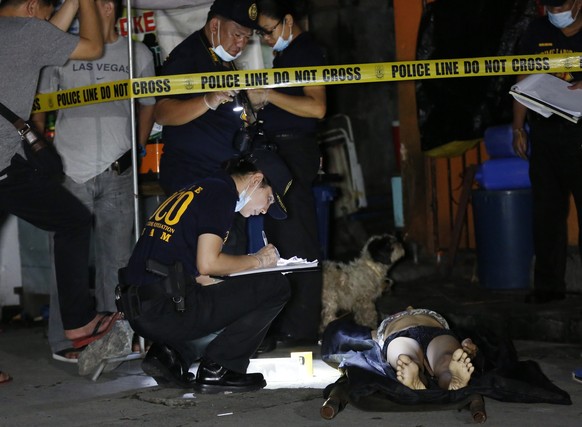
(308, 76)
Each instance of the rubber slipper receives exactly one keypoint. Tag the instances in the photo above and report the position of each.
(6, 378)
(577, 375)
(68, 355)
(96, 334)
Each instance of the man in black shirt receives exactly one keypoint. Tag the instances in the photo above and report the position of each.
(556, 152)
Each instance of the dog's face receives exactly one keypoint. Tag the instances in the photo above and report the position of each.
(384, 249)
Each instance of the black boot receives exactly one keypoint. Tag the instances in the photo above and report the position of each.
(164, 365)
(213, 378)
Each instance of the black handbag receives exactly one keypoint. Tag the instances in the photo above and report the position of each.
(40, 153)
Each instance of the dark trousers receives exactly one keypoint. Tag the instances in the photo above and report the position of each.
(44, 203)
(297, 236)
(555, 173)
(242, 308)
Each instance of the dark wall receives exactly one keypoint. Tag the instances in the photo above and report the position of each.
(353, 32)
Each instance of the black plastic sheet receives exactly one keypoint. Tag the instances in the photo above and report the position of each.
(370, 382)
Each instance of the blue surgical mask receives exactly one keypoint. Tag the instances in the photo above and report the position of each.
(243, 199)
(562, 19)
(219, 50)
(281, 44)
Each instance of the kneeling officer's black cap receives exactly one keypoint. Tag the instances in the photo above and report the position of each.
(243, 12)
(278, 175)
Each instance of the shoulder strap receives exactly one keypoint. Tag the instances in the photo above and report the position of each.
(23, 128)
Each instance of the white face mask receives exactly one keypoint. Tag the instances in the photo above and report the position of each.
(244, 198)
(562, 19)
(219, 50)
(281, 44)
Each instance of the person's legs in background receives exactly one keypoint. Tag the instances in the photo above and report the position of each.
(551, 198)
(62, 348)
(46, 204)
(113, 211)
(108, 197)
(297, 236)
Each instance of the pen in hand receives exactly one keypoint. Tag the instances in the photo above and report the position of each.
(266, 242)
(265, 238)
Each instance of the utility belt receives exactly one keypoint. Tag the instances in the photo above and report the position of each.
(132, 300)
(121, 164)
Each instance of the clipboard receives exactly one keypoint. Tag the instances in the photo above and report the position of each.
(547, 95)
(288, 268)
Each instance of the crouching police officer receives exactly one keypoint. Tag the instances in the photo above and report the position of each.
(176, 287)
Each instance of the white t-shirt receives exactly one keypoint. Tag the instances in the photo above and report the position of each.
(91, 137)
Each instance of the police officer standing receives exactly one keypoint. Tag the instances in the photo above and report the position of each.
(200, 128)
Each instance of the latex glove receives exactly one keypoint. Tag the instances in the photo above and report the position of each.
(214, 99)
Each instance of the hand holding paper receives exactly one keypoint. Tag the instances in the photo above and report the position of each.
(547, 95)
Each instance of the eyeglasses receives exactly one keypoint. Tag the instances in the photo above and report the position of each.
(263, 33)
(271, 199)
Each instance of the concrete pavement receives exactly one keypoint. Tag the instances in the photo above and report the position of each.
(45, 392)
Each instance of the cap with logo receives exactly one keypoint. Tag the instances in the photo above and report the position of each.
(278, 175)
(243, 12)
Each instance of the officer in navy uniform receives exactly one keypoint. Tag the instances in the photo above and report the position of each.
(290, 118)
(200, 128)
(555, 164)
(173, 307)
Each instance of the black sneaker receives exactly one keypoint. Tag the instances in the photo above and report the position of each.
(214, 378)
(163, 364)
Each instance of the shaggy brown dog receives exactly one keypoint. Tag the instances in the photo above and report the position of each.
(354, 287)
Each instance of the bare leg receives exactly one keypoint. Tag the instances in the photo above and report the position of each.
(449, 362)
(89, 328)
(405, 356)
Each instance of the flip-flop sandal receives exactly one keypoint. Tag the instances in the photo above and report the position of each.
(65, 355)
(7, 378)
(96, 334)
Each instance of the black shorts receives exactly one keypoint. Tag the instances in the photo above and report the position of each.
(421, 334)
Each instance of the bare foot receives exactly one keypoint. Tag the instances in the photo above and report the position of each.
(461, 369)
(470, 347)
(408, 373)
(4, 377)
(101, 321)
(69, 353)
